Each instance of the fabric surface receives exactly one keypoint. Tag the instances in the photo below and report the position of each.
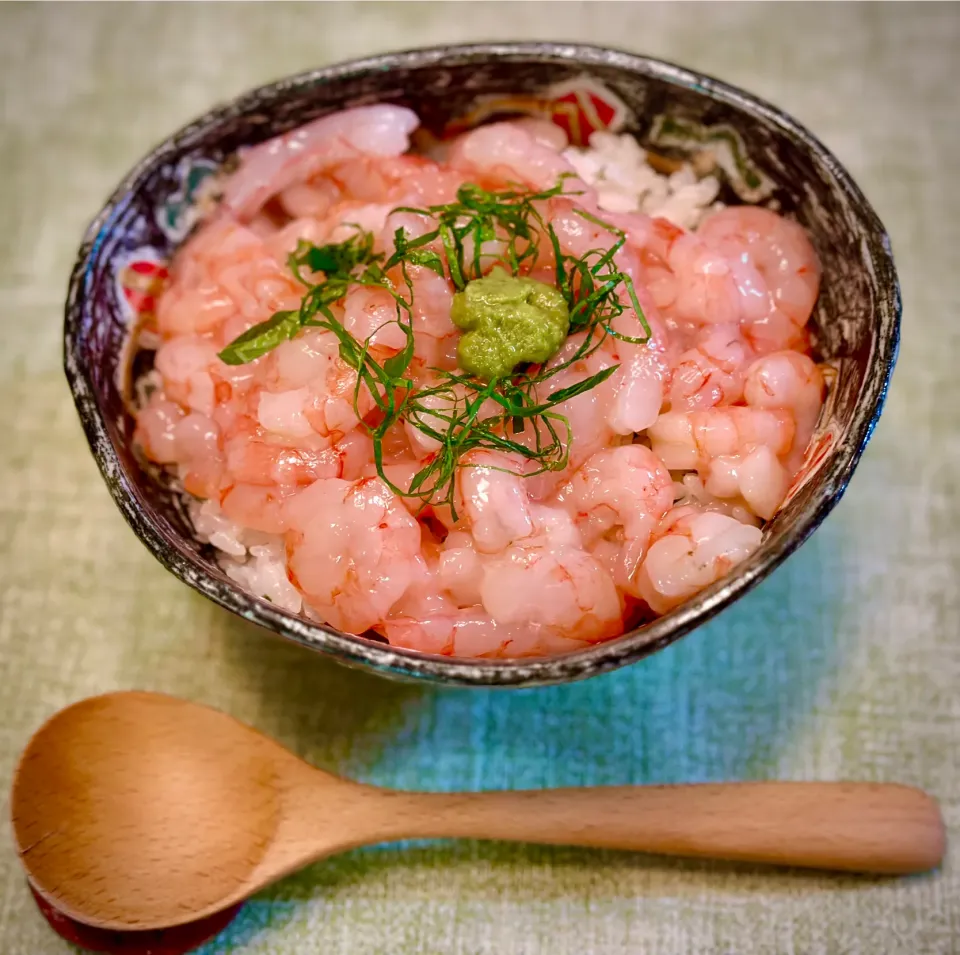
(845, 664)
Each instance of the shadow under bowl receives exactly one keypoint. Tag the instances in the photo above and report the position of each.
(766, 156)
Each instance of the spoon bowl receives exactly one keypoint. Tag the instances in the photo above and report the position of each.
(122, 801)
(137, 811)
(175, 809)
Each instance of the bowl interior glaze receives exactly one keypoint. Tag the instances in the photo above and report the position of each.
(856, 322)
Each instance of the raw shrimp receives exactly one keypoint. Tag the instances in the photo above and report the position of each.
(309, 201)
(435, 335)
(168, 434)
(441, 612)
(736, 450)
(279, 163)
(371, 315)
(257, 456)
(650, 239)
(421, 444)
(257, 506)
(749, 452)
(435, 408)
(413, 225)
(398, 181)
(541, 594)
(712, 371)
(200, 461)
(425, 628)
(586, 414)
(644, 368)
(685, 279)
(352, 550)
(640, 381)
(346, 218)
(284, 421)
(472, 632)
(224, 272)
(311, 369)
(493, 500)
(156, 422)
(743, 265)
(786, 262)
(505, 153)
(624, 491)
(548, 582)
(686, 440)
(792, 381)
(460, 568)
(712, 288)
(693, 549)
(543, 132)
(186, 363)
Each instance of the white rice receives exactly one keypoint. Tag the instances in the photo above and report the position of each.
(625, 182)
(253, 559)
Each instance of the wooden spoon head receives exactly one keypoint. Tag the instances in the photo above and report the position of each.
(170, 941)
(138, 811)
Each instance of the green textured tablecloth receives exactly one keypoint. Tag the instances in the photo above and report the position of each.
(846, 663)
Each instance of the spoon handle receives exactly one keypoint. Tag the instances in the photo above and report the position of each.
(861, 827)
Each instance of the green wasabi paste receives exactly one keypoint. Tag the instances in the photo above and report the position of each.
(508, 321)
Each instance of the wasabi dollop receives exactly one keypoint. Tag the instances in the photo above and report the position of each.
(508, 321)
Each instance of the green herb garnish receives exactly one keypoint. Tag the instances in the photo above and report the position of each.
(462, 412)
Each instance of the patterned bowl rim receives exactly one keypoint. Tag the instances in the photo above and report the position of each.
(600, 658)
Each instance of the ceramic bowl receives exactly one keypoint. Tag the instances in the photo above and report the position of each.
(767, 157)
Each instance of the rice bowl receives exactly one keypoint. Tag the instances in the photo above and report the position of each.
(836, 439)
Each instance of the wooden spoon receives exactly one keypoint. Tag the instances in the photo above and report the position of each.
(141, 811)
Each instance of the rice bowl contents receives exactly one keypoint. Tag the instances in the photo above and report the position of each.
(508, 401)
